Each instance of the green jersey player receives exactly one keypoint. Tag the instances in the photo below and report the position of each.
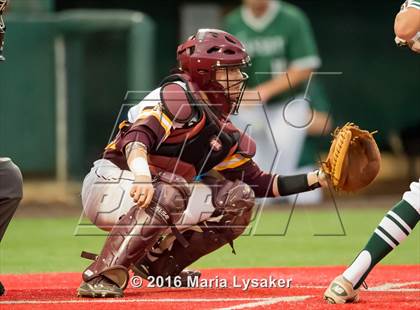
(279, 39)
(399, 222)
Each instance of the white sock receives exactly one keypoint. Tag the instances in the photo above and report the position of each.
(358, 268)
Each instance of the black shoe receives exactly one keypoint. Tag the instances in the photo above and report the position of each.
(189, 277)
(99, 287)
(2, 290)
(142, 269)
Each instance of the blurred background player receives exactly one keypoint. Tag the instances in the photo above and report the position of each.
(10, 176)
(281, 44)
(399, 222)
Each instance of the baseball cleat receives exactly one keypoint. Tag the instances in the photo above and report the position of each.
(99, 287)
(341, 291)
(189, 274)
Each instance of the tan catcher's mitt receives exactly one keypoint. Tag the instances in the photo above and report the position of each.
(354, 159)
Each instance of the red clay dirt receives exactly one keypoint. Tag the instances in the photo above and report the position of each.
(391, 287)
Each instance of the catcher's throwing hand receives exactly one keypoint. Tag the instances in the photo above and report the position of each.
(142, 190)
(354, 159)
(323, 178)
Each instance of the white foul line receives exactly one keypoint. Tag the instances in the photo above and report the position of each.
(386, 287)
(268, 302)
(139, 300)
(395, 287)
(254, 302)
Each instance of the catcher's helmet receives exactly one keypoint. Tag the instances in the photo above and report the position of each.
(2, 27)
(210, 50)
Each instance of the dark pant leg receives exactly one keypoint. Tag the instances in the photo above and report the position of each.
(10, 192)
(234, 201)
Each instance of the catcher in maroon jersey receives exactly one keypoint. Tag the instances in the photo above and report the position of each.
(181, 130)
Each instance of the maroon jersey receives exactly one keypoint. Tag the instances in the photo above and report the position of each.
(192, 143)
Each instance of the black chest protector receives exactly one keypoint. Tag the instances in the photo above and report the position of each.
(202, 143)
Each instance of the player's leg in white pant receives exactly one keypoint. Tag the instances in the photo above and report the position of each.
(200, 206)
(394, 228)
(106, 194)
(413, 196)
(106, 197)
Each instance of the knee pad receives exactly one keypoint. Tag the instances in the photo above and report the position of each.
(233, 198)
(234, 201)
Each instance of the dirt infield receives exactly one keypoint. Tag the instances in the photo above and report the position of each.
(393, 287)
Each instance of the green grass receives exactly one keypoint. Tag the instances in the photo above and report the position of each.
(45, 245)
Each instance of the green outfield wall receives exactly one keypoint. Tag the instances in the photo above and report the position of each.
(109, 51)
(106, 52)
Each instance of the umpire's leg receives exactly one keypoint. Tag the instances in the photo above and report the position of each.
(10, 192)
(10, 195)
